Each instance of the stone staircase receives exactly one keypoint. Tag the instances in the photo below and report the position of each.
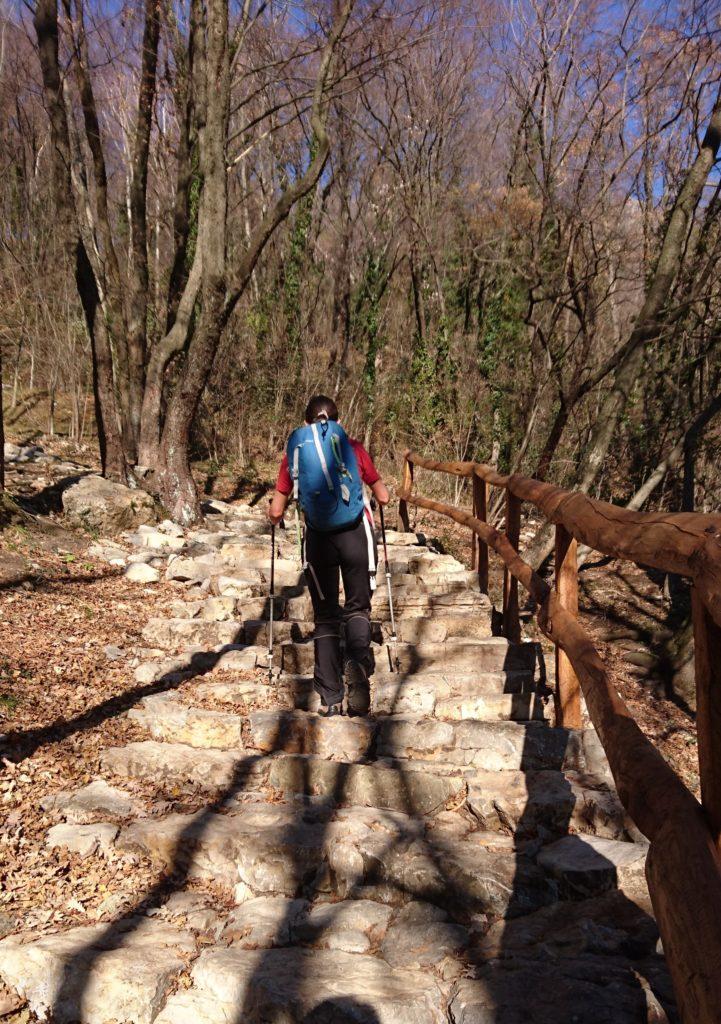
(451, 858)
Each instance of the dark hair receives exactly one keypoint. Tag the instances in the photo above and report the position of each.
(319, 407)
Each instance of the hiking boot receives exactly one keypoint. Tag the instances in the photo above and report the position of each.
(331, 710)
(357, 688)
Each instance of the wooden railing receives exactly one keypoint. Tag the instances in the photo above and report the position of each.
(683, 867)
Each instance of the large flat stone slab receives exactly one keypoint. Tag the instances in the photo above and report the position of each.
(172, 721)
(294, 732)
(173, 633)
(96, 800)
(525, 802)
(492, 746)
(594, 990)
(589, 865)
(493, 654)
(289, 985)
(366, 785)
(177, 765)
(98, 973)
(441, 693)
(352, 926)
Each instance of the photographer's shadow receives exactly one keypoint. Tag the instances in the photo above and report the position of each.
(341, 1010)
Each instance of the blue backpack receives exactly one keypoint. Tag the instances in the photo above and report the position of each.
(326, 478)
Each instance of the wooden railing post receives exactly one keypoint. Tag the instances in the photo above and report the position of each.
(407, 487)
(479, 551)
(568, 689)
(707, 655)
(511, 621)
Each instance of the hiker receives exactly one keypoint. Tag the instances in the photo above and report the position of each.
(325, 471)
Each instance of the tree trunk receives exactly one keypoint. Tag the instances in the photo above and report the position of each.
(160, 357)
(2, 429)
(138, 276)
(176, 485)
(220, 297)
(71, 243)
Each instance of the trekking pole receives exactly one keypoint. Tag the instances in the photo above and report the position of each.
(394, 636)
(298, 534)
(272, 602)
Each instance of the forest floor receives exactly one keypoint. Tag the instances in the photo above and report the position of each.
(66, 626)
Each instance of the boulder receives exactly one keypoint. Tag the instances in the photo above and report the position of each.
(141, 572)
(104, 505)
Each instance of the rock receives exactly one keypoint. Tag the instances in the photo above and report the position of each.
(495, 746)
(236, 660)
(172, 721)
(83, 973)
(103, 505)
(191, 910)
(589, 865)
(353, 926)
(175, 632)
(524, 801)
(146, 557)
(425, 738)
(264, 846)
(171, 528)
(608, 925)
(140, 572)
(23, 453)
(238, 586)
(339, 739)
(290, 985)
(113, 653)
(190, 570)
(82, 806)
(176, 765)
(421, 936)
(366, 785)
(218, 609)
(106, 551)
(263, 922)
(83, 839)
(585, 991)
(159, 539)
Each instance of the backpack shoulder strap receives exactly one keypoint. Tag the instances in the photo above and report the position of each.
(321, 457)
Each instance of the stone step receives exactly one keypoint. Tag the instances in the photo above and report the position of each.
(384, 786)
(80, 974)
(178, 767)
(490, 746)
(526, 802)
(444, 624)
(167, 719)
(456, 695)
(303, 985)
(492, 654)
(295, 732)
(281, 849)
(173, 633)
(490, 695)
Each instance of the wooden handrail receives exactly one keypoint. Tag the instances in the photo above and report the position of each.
(683, 867)
(685, 543)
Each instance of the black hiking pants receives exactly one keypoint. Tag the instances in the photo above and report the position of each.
(351, 554)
